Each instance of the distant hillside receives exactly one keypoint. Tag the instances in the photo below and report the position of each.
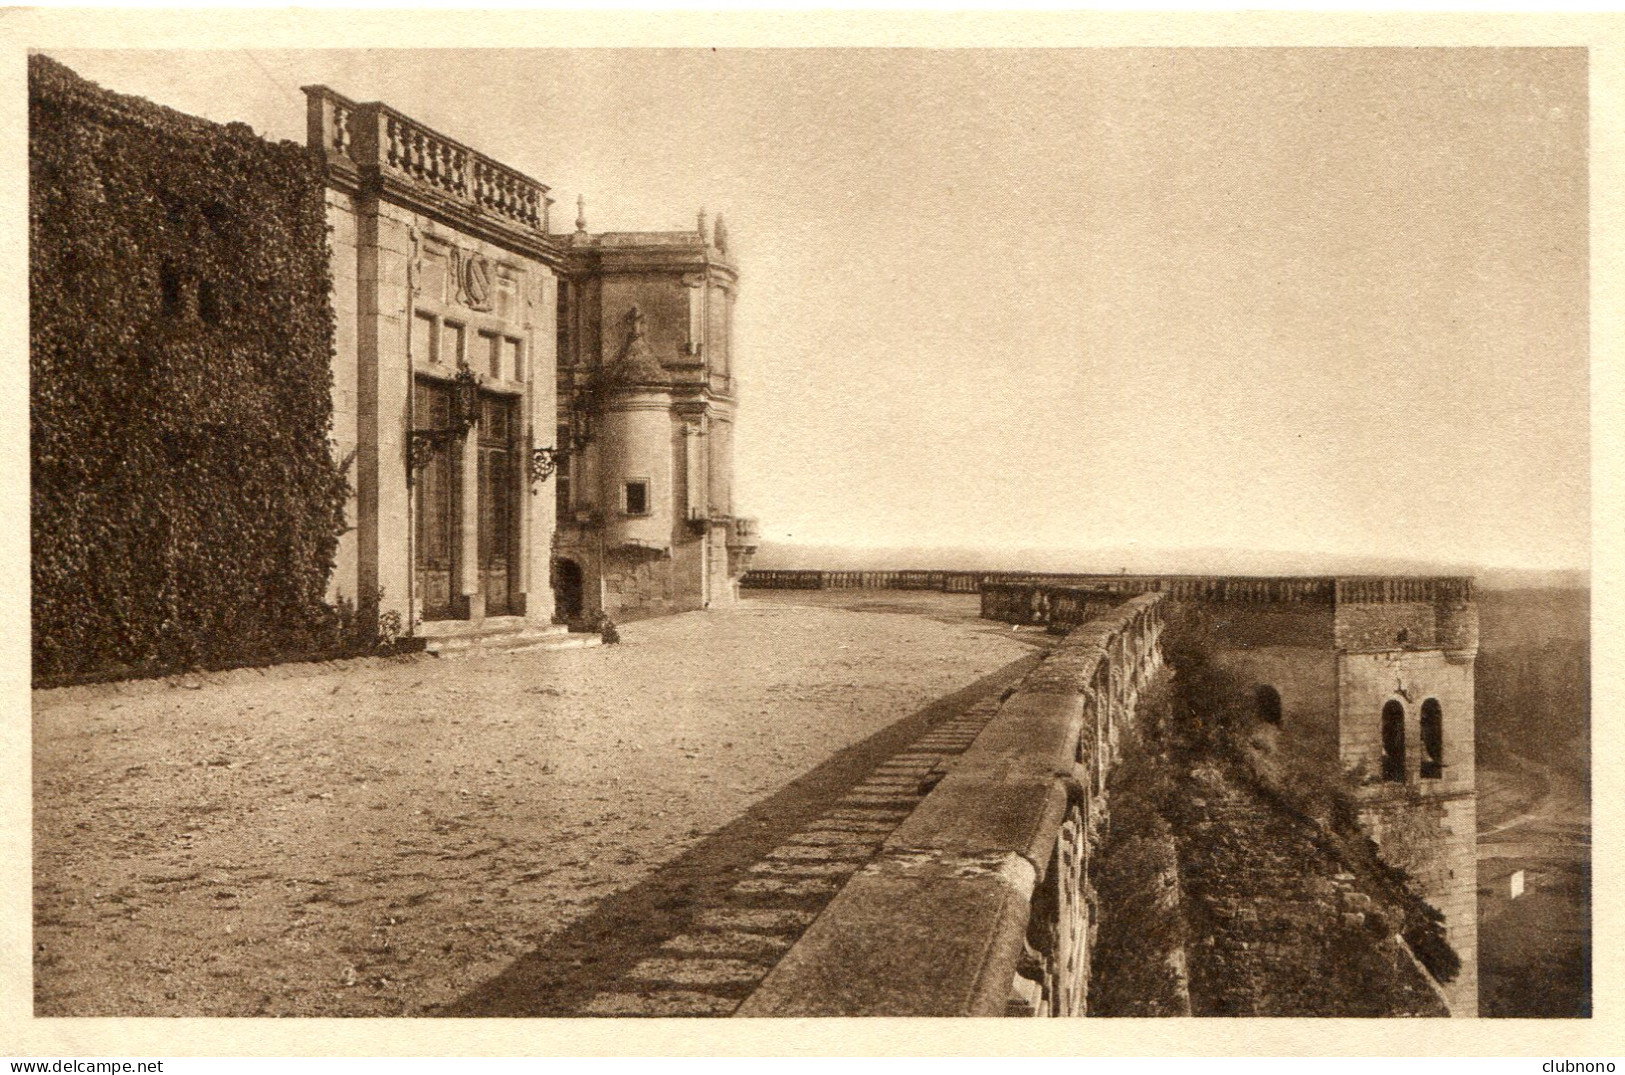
(1534, 676)
(776, 555)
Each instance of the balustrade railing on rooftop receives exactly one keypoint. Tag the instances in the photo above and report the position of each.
(380, 141)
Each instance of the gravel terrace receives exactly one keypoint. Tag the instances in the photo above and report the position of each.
(385, 837)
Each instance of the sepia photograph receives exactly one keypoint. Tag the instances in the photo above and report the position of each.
(775, 533)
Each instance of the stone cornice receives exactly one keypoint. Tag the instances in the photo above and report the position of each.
(685, 259)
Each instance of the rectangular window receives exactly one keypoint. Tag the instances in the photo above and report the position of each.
(718, 316)
(490, 349)
(422, 338)
(451, 345)
(696, 319)
(511, 359)
(561, 477)
(637, 497)
(494, 414)
(436, 502)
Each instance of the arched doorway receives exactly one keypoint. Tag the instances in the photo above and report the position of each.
(1432, 740)
(567, 590)
(1393, 741)
(1267, 704)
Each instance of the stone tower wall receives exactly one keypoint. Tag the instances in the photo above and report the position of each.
(646, 346)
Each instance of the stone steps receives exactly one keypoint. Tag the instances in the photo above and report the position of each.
(503, 634)
(720, 959)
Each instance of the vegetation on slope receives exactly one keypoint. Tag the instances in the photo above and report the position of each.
(1284, 907)
(1534, 678)
(1138, 967)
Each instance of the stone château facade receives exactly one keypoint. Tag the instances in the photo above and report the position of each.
(648, 392)
(479, 355)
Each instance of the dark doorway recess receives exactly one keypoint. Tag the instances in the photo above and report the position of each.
(1267, 704)
(567, 590)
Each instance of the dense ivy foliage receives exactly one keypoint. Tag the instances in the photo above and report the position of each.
(186, 507)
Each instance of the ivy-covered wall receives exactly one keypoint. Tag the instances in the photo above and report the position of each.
(186, 505)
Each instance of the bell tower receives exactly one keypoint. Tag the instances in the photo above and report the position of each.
(1406, 650)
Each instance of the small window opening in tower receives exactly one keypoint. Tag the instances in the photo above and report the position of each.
(208, 303)
(1393, 741)
(1432, 740)
(218, 218)
(637, 497)
(1267, 704)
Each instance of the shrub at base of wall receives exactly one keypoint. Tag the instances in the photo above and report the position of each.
(186, 506)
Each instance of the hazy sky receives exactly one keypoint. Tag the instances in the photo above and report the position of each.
(1321, 300)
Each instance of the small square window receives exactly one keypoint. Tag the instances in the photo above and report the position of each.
(637, 497)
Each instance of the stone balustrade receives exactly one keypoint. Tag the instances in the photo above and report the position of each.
(379, 143)
(980, 903)
(1400, 589)
(1026, 603)
(742, 532)
(942, 581)
(1261, 590)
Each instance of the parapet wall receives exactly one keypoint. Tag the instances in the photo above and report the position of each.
(1368, 613)
(941, 581)
(980, 904)
(1025, 603)
(1449, 596)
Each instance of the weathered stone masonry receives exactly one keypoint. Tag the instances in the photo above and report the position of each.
(475, 354)
(980, 903)
(986, 886)
(478, 354)
(1338, 659)
(444, 283)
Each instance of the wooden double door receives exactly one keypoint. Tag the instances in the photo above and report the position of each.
(441, 505)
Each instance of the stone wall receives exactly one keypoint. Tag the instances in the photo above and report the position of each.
(941, 581)
(1283, 921)
(1034, 605)
(1435, 840)
(980, 903)
(1423, 817)
(441, 268)
(1304, 678)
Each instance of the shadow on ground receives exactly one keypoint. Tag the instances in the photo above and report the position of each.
(595, 952)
